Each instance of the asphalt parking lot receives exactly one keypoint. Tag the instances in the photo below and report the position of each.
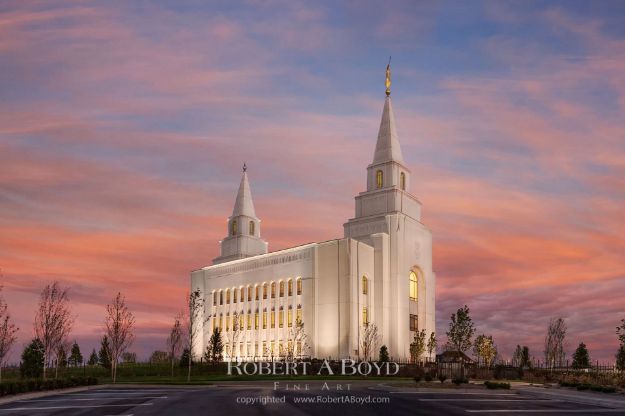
(306, 398)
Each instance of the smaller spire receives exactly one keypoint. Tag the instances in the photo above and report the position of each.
(244, 204)
(388, 78)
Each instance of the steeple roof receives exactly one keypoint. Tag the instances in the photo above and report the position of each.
(244, 204)
(387, 148)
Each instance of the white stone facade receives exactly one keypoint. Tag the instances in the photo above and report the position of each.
(335, 288)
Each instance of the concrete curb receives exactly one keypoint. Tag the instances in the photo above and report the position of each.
(38, 394)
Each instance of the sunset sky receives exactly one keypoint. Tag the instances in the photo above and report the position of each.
(124, 126)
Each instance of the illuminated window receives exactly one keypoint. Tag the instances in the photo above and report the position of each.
(273, 318)
(221, 297)
(273, 290)
(413, 286)
(402, 181)
(264, 351)
(257, 292)
(365, 318)
(234, 227)
(214, 298)
(272, 348)
(290, 287)
(299, 286)
(249, 294)
(234, 297)
(281, 288)
(264, 319)
(289, 317)
(256, 320)
(298, 351)
(379, 179)
(242, 298)
(280, 318)
(249, 321)
(265, 291)
(227, 322)
(414, 323)
(256, 349)
(298, 315)
(252, 226)
(365, 285)
(227, 296)
(241, 321)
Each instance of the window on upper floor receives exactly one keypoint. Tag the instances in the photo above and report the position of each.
(214, 298)
(414, 323)
(252, 227)
(221, 297)
(234, 227)
(227, 296)
(365, 285)
(235, 293)
(413, 286)
(379, 179)
(299, 286)
(402, 181)
(365, 317)
(290, 287)
(273, 290)
(242, 292)
(249, 293)
(265, 291)
(281, 288)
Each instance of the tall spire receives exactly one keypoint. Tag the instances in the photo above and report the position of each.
(387, 147)
(244, 204)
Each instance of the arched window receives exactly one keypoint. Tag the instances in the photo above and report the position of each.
(256, 320)
(273, 290)
(252, 226)
(379, 179)
(242, 298)
(280, 318)
(265, 319)
(365, 318)
(413, 286)
(402, 181)
(299, 286)
(227, 322)
(273, 318)
(221, 317)
(281, 288)
(298, 315)
(227, 296)
(249, 293)
(289, 317)
(265, 291)
(365, 285)
(234, 227)
(214, 298)
(221, 297)
(290, 287)
(249, 320)
(235, 293)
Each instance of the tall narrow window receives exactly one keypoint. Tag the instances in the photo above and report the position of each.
(234, 227)
(249, 320)
(365, 285)
(365, 318)
(290, 285)
(298, 315)
(273, 318)
(214, 298)
(299, 286)
(257, 292)
(413, 286)
(227, 322)
(249, 293)
(242, 291)
(221, 297)
(256, 320)
(252, 226)
(264, 319)
(221, 320)
(265, 291)
(280, 318)
(227, 296)
(264, 351)
(241, 322)
(281, 288)
(414, 323)
(235, 293)
(402, 181)
(273, 290)
(379, 179)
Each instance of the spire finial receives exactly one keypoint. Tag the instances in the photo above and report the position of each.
(388, 77)
(244, 167)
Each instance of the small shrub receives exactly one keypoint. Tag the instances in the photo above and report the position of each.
(428, 377)
(442, 378)
(495, 385)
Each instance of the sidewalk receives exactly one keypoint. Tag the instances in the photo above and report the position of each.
(611, 400)
(38, 394)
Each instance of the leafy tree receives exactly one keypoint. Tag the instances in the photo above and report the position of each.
(215, 347)
(31, 365)
(581, 357)
(432, 344)
(61, 357)
(417, 346)
(461, 330)
(485, 349)
(620, 358)
(104, 358)
(383, 357)
(159, 357)
(554, 342)
(93, 358)
(75, 357)
(129, 357)
(521, 356)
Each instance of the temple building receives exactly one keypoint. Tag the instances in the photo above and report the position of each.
(321, 299)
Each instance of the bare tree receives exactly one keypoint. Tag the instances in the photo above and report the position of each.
(417, 346)
(369, 339)
(297, 342)
(194, 323)
(53, 321)
(432, 344)
(174, 341)
(232, 336)
(7, 332)
(554, 342)
(119, 323)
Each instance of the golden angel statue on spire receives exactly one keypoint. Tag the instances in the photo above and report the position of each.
(388, 77)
